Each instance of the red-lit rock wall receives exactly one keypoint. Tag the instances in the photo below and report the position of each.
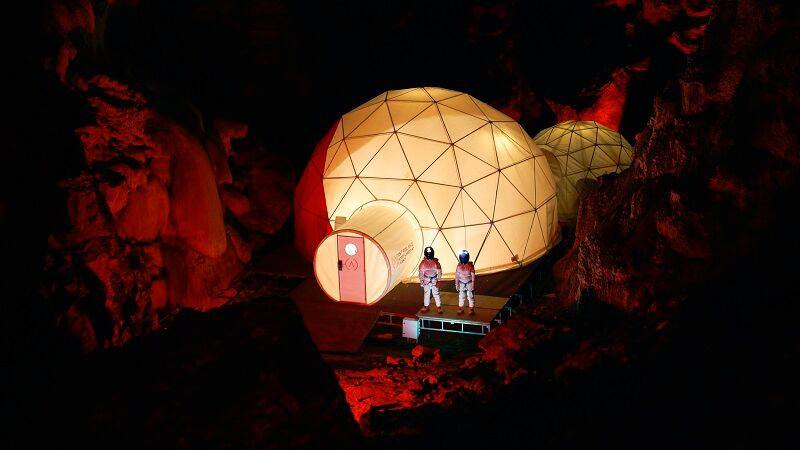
(165, 211)
(710, 177)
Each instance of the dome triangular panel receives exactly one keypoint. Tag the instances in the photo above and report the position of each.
(484, 192)
(416, 203)
(440, 94)
(414, 95)
(456, 238)
(455, 218)
(428, 125)
(494, 252)
(512, 202)
(421, 153)
(353, 119)
(335, 190)
(384, 189)
(459, 124)
(443, 170)
(474, 237)
(480, 144)
(440, 199)
(466, 105)
(332, 150)
(402, 112)
(340, 165)
(356, 196)
(520, 175)
(473, 215)
(508, 152)
(389, 162)
(515, 231)
(363, 149)
(378, 122)
(471, 168)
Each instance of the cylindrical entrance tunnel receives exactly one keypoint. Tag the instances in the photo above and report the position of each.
(365, 257)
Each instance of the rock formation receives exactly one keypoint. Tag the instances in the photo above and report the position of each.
(164, 211)
(690, 208)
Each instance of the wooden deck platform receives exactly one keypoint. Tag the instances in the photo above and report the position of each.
(343, 327)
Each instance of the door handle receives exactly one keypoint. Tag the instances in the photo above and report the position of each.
(340, 265)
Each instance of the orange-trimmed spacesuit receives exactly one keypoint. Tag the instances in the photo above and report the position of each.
(465, 283)
(430, 271)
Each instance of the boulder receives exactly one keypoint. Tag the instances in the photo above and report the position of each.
(195, 207)
(146, 213)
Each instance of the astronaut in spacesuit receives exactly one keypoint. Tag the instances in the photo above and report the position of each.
(465, 282)
(430, 271)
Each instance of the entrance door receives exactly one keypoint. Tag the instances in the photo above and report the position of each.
(352, 277)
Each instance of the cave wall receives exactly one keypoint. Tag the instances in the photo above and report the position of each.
(712, 175)
(162, 205)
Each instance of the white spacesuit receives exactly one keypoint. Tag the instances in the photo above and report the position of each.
(430, 271)
(465, 282)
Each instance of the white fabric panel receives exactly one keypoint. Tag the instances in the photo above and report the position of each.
(384, 189)
(389, 162)
(459, 124)
(484, 193)
(340, 164)
(525, 178)
(440, 94)
(421, 152)
(443, 171)
(377, 122)
(480, 143)
(363, 149)
(455, 218)
(465, 104)
(354, 118)
(414, 95)
(402, 112)
(356, 196)
(376, 271)
(508, 151)
(332, 150)
(417, 204)
(495, 253)
(428, 124)
(335, 189)
(515, 231)
(471, 168)
(440, 199)
(445, 254)
(512, 202)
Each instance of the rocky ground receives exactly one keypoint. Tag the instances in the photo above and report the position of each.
(245, 375)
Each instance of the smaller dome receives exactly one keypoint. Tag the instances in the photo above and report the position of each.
(583, 151)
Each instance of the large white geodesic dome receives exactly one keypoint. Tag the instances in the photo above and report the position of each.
(584, 150)
(470, 175)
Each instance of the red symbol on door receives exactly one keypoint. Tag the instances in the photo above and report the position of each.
(352, 278)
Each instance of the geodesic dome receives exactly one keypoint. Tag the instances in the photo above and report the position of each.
(584, 150)
(468, 175)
